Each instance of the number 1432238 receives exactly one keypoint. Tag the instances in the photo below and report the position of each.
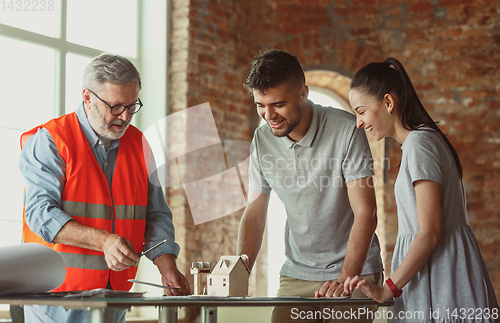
(28, 5)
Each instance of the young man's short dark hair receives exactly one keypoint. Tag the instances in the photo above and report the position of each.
(274, 68)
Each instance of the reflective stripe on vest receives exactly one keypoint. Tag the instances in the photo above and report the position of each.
(87, 210)
(131, 212)
(87, 198)
(84, 261)
(99, 211)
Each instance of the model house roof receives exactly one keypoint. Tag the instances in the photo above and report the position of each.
(227, 264)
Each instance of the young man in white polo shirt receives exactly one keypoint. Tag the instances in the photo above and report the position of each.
(320, 166)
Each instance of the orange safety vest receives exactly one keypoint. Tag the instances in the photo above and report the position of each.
(88, 200)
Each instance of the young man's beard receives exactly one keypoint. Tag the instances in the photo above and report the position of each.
(289, 126)
(284, 132)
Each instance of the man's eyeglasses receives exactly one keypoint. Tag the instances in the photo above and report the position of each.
(118, 109)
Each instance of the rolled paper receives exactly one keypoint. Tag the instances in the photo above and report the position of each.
(30, 268)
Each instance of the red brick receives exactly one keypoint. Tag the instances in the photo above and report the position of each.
(223, 35)
(209, 60)
(360, 32)
(363, 12)
(364, 3)
(342, 12)
(482, 82)
(456, 14)
(454, 3)
(393, 23)
(420, 7)
(394, 11)
(454, 43)
(451, 84)
(424, 86)
(482, 3)
(492, 185)
(386, 3)
(478, 72)
(283, 9)
(294, 29)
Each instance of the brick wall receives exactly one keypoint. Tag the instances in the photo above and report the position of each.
(449, 48)
(209, 59)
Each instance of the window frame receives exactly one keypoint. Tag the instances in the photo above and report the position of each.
(151, 61)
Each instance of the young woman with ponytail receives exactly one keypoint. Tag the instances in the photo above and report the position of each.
(438, 270)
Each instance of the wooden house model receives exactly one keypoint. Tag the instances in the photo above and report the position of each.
(229, 277)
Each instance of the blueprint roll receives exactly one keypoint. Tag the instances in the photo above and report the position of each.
(30, 268)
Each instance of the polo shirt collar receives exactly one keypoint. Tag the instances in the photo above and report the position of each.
(307, 140)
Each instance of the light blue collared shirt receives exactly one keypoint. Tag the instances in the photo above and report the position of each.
(44, 172)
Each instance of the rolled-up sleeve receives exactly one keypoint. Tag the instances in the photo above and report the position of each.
(43, 170)
(159, 223)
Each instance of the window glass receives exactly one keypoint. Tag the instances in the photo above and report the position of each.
(323, 99)
(11, 194)
(75, 65)
(41, 16)
(106, 25)
(30, 78)
(11, 191)
(27, 84)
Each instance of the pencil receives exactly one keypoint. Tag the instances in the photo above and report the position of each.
(145, 252)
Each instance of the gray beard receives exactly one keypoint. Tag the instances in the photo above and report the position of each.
(101, 128)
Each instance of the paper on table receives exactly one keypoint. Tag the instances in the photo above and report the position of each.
(151, 284)
(30, 268)
(103, 292)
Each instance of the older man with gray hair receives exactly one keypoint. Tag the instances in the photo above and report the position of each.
(89, 194)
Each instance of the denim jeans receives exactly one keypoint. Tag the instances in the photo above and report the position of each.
(57, 314)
